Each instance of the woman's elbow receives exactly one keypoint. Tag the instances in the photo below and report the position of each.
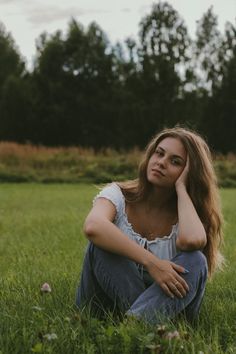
(185, 244)
(89, 228)
(93, 227)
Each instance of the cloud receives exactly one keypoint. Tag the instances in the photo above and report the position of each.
(51, 14)
(16, 2)
(126, 9)
(43, 15)
(3, 2)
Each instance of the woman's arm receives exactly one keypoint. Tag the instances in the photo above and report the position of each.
(100, 230)
(192, 234)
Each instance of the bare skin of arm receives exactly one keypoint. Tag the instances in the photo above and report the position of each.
(100, 230)
(192, 235)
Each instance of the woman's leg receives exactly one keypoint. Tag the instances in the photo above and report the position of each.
(108, 281)
(154, 305)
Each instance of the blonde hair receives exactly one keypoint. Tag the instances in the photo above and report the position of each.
(201, 186)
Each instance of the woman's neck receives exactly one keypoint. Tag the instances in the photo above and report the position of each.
(159, 198)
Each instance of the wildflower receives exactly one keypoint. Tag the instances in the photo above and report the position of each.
(161, 330)
(171, 335)
(45, 288)
(50, 336)
(155, 348)
(37, 308)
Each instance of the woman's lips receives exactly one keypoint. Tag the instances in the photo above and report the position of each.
(158, 172)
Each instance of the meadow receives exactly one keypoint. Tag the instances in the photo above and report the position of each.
(31, 163)
(41, 240)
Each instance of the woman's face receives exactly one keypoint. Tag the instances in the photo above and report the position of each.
(166, 163)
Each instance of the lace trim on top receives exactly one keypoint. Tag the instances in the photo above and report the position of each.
(128, 224)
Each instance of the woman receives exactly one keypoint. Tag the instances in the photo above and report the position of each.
(153, 240)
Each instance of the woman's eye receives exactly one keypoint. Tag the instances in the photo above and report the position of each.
(159, 153)
(175, 162)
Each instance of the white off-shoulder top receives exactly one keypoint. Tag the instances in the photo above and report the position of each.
(162, 247)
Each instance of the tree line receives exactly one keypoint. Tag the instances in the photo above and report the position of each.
(85, 91)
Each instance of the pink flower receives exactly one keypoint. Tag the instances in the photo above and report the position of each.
(45, 288)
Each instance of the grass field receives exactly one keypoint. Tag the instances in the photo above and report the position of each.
(41, 240)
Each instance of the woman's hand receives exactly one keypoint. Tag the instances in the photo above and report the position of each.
(165, 273)
(182, 179)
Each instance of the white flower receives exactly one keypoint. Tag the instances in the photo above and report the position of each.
(171, 335)
(37, 308)
(45, 288)
(50, 336)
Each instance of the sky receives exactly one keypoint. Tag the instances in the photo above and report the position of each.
(27, 19)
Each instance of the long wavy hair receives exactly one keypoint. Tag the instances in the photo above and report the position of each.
(201, 186)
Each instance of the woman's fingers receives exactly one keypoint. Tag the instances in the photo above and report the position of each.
(166, 289)
(183, 176)
(178, 285)
(168, 277)
(178, 268)
(181, 283)
(179, 279)
(178, 288)
(173, 290)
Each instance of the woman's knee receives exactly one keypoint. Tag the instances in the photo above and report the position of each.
(197, 257)
(193, 259)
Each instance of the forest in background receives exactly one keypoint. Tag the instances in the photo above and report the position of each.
(84, 91)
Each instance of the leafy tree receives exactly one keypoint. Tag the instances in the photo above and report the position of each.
(220, 116)
(75, 79)
(83, 91)
(163, 33)
(209, 51)
(229, 44)
(16, 110)
(164, 44)
(10, 59)
(12, 102)
(219, 113)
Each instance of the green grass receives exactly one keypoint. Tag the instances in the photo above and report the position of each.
(41, 240)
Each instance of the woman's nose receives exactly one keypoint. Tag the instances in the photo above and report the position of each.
(161, 161)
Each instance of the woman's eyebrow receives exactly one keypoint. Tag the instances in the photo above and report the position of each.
(175, 156)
